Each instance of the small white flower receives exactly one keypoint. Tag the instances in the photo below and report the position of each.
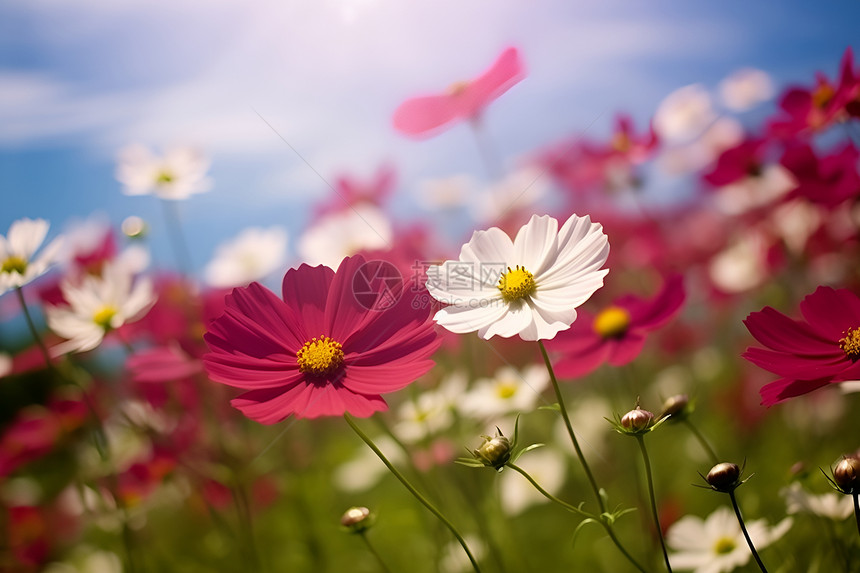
(756, 190)
(178, 175)
(427, 415)
(545, 466)
(507, 392)
(447, 193)
(96, 306)
(835, 506)
(684, 114)
(18, 264)
(742, 265)
(253, 255)
(717, 544)
(345, 233)
(530, 286)
(366, 470)
(518, 191)
(746, 88)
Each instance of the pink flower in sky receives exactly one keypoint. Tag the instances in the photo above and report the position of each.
(350, 191)
(424, 116)
(617, 333)
(336, 341)
(821, 349)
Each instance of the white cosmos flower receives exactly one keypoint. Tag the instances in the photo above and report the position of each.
(253, 255)
(180, 173)
(517, 192)
(509, 391)
(835, 506)
(746, 88)
(18, 263)
(717, 544)
(345, 233)
(96, 306)
(684, 114)
(530, 286)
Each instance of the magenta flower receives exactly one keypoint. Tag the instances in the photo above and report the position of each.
(829, 180)
(821, 349)
(617, 333)
(424, 116)
(334, 343)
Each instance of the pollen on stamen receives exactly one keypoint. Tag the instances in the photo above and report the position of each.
(320, 356)
(516, 284)
(104, 316)
(850, 343)
(14, 264)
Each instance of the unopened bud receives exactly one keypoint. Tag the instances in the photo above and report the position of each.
(724, 477)
(676, 406)
(357, 519)
(637, 420)
(495, 451)
(847, 474)
(134, 227)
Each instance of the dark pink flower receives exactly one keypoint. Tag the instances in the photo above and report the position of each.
(424, 116)
(829, 180)
(349, 191)
(617, 333)
(821, 349)
(334, 343)
(743, 160)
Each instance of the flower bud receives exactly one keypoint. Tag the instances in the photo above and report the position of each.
(676, 406)
(724, 477)
(134, 227)
(495, 451)
(847, 474)
(357, 519)
(637, 420)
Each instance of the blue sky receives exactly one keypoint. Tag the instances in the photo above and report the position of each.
(81, 79)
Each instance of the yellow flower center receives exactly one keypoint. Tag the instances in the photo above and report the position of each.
(457, 88)
(612, 322)
(320, 356)
(164, 177)
(506, 390)
(516, 284)
(822, 95)
(724, 545)
(850, 343)
(104, 316)
(14, 264)
(621, 142)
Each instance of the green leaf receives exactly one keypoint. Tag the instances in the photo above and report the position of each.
(579, 527)
(554, 407)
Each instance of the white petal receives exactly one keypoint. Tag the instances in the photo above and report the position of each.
(465, 319)
(25, 236)
(517, 319)
(490, 246)
(534, 246)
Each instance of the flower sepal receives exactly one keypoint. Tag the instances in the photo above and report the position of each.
(636, 422)
(497, 451)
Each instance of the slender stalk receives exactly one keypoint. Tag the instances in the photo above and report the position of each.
(424, 501)
(382, 565)
(488, 154)
(246, 525)
(177, 239)
(746, 534)
(704, 442)
(581, 457)
(32, 327)
(857, 510)
(576, 510)
(647, 460)
(546, 494)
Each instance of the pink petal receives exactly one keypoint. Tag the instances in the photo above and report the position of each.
(381, 379)
(584, 362)
(831, 312)
(305, 290)
(505, 72)
(793, 366)
(784, 389)
(623, 351)
(424, 116)
(778, 332)
(162, 364)
(650, 315)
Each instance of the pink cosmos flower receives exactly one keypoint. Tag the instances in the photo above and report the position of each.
(424, 116)
(617, 333)
(830, 180)
(821, 349)
(350, 191)
(334, 343)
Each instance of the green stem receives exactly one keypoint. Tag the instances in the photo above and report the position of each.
(744, 530)
(569, 427)
(857, 510)
(704, 442)
(578, 511)
(647, 461)
(382, 565)
(581, 456)
(424, 501)
(549, 496)
(32, 327)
